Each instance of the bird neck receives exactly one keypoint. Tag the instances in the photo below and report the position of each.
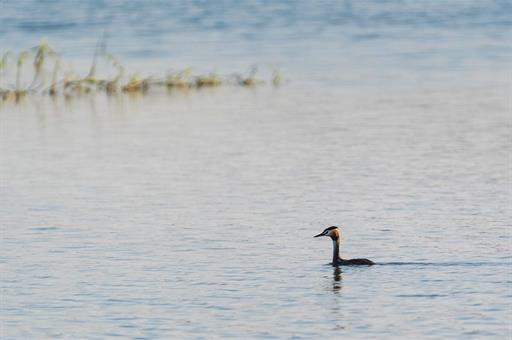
(335, 249)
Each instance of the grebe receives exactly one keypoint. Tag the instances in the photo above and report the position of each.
(334, 233)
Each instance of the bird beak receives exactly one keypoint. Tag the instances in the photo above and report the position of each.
(321, 234)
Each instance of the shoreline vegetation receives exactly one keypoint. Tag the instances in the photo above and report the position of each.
(40, 70)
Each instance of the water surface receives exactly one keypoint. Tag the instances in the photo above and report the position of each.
(191, 214)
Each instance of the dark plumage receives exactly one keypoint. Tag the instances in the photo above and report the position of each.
(334, 233)
(354, 262)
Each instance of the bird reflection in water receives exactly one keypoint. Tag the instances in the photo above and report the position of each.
(336, 283)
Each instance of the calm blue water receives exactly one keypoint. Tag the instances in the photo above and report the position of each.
(340, 40)
(191, 215)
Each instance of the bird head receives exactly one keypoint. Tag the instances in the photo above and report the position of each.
(333, 232)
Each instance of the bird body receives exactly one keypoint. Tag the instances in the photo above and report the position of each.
(334, 233)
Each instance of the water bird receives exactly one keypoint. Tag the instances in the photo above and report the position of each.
(334, 233)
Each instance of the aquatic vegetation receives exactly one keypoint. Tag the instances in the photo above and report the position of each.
(249, 79)
(180, 79)
(210, 80)
(50, 75)
(277, 78)
(52, 90)
(42, 52)
(135, 84)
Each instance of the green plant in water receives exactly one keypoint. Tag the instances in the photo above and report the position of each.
(98, 51)
(71, 84)
(42, 51)
(4, 93)
(277, 78)
(19, 92)
(53, 90)
(3, 63)
(180, 79)
(111, 86)
(135, 84)
(250, 79)
(208, 81)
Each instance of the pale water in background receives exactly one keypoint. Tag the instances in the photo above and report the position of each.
(191, 215)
